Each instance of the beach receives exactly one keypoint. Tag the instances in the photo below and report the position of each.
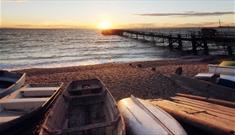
(147, 79)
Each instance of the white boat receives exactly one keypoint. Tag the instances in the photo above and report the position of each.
(143, 118)
(23, 108)
(10, 81)
(226, 67)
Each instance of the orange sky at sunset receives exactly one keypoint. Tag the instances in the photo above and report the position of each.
(104, 14)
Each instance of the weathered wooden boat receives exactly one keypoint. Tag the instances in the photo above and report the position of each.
(211, 90)
(23, 108)
(142, 118)
(213, 116)
(220, 79)
(85, 107)
(226, 67)
(10, 81)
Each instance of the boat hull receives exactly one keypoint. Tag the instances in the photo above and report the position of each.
(142, 118)
(30, 119)
(210, 89)
(227, 70)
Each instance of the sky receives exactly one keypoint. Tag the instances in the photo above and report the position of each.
(116, 13)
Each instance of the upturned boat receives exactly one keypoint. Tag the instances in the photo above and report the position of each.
(85, 107)
(143, 118)
(20, 110)
(206, 87)
(10, 81)
(220, 79)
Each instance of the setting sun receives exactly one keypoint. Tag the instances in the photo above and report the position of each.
(105, 25)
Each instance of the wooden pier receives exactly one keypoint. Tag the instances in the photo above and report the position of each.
(199, 41)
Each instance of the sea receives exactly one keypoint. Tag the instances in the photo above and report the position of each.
(47, 48)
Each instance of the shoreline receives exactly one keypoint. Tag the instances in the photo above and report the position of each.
(146, 79)
(183, 60)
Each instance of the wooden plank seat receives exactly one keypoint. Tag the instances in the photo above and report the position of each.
(22, 103)
(38, 91)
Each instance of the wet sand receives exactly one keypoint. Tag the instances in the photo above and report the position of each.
(146, 80)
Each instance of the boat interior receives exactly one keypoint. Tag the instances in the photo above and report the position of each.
(7, 79)
(85, 108)
(25, 100)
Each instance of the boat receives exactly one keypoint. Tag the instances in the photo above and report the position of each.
(85, 107)
(23, 108)
(210, 116)
(211, 90)
(143, 118)
(10, 81)
(226, 68)
(220, 79)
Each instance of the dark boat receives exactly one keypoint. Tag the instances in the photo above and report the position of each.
(210, 89)
(220, 79)
(86, 107)
(21, 109)
(10, 81)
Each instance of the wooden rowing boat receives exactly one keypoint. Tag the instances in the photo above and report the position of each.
(10, 81)
(216, 117)
(85, 107)
(26, 106)
(211, 90)
(142, 118)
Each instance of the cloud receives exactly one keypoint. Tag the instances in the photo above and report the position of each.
(14, 1)
(189, 14)
(178, 25)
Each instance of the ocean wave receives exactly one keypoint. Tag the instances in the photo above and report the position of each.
(110, 41)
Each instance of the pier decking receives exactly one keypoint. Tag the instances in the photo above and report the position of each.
(198, 41)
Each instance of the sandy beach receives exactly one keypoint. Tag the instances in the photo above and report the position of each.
(149, 79)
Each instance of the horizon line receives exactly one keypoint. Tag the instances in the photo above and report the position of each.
(119, 28)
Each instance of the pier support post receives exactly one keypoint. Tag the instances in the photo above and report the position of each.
(230, 50)
(152, 38)
(170, 42)
(194, 45)
(206, 49)
(180, 47)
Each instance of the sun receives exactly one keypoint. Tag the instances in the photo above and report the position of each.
(104, 25)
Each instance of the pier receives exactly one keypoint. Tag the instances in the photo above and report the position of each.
(198, 41)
